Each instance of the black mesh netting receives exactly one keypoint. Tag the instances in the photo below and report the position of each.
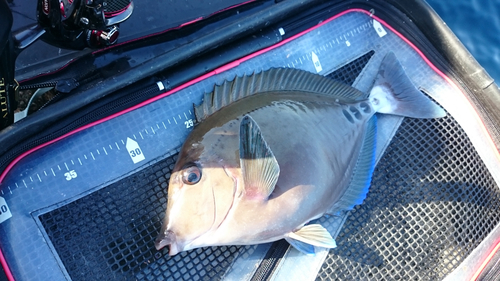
(113, 6)
(431, 202)
(109, 234)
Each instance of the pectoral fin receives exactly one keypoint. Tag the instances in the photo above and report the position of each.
(259, 167)
(313, 234)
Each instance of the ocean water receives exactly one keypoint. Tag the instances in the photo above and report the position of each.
(477, 24)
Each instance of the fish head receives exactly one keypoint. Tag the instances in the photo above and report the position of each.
(200, 193)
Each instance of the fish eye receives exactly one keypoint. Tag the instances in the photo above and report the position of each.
(191, 174)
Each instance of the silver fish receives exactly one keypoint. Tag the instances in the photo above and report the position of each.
(275, 150)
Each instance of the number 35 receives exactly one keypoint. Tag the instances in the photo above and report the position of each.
(70, 175)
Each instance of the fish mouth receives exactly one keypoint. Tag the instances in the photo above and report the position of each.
(167, 237)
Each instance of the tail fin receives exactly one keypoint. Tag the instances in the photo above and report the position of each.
(394, 93)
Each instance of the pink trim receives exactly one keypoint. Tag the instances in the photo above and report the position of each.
(485, 262)
(227, 67)
(190, 22)
(6, 268)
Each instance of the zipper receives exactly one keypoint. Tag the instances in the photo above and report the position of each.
(271, 260)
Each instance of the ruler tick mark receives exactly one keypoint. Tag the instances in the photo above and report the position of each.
(164, 124)
(123, 142)
(146, 130)
(80, 161)
(91, 154)
(134, 136)
(25, 184)
(85, 155)
(185, 115)
(10, 190)
(59, 167)
(17, 186)
(110, 147)
(190, 112)
(117, 145)
(39, 177)
(66, 166)
(45, 173)
(153, 130)
(157, 126)
(98, 152)
(53, 172)
(72, 162)
(141, 135)
(31, 179)
(175, 120)
(105, 150)
(169, 121)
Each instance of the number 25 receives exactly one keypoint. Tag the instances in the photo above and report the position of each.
(189, 123)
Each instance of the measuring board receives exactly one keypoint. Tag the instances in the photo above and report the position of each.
(91, 159)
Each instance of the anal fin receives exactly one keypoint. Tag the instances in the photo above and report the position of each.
(362, 174)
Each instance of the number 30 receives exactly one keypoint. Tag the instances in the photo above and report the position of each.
(135, 152)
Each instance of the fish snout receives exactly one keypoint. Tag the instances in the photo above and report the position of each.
(166, 237)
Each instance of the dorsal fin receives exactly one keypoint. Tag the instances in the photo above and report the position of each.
(274, 80)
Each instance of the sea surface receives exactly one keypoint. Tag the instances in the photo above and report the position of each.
(477, 24)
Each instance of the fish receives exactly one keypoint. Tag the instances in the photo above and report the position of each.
(275, 150)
